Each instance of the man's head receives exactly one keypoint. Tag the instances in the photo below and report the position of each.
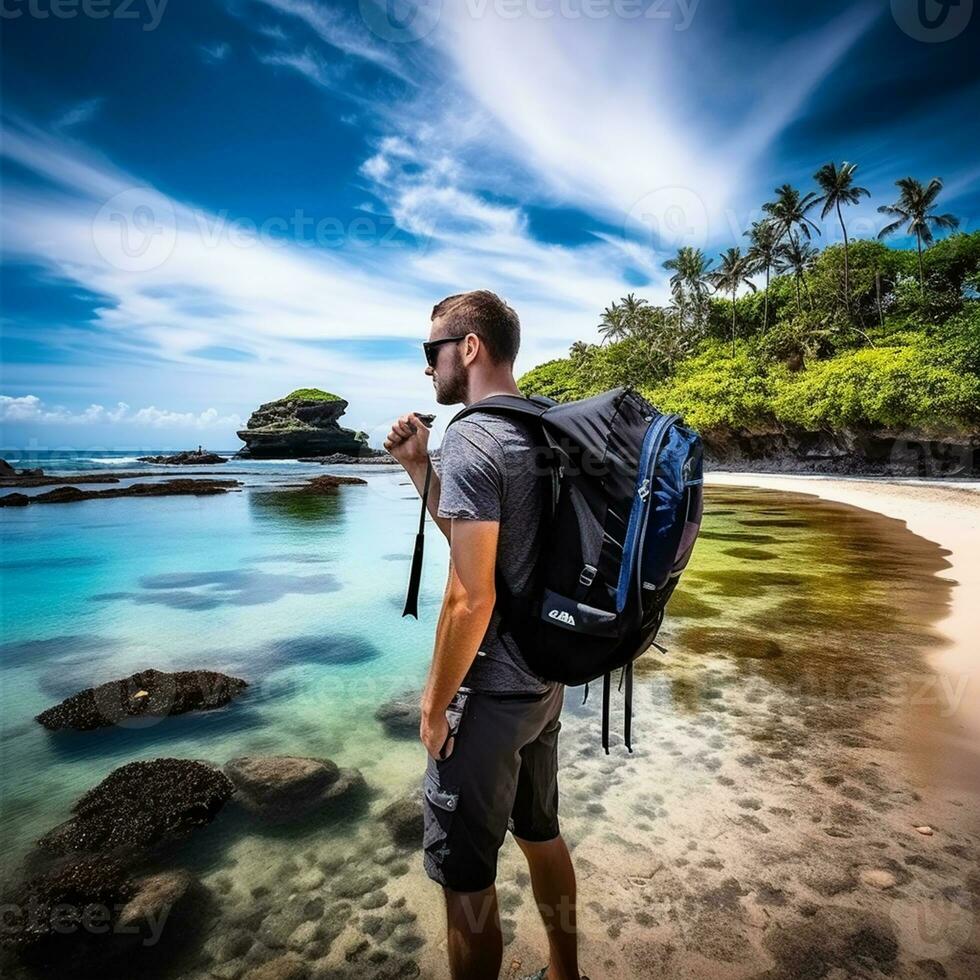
(481, 335)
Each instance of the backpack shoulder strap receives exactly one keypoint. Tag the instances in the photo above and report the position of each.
(533, 407)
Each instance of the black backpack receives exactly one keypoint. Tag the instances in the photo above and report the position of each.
(625, 510)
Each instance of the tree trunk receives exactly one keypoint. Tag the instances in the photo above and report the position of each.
(765, 308)
(922, 282)
(733, 323)
(847, 280)
(799, 302)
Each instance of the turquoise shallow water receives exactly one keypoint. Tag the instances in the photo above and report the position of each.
(300, 596)
(771, 744)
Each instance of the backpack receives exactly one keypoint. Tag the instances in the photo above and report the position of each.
(624, 511)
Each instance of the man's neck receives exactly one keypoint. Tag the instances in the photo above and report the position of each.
(493, 386)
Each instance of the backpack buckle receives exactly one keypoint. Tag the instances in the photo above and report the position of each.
(587, 576)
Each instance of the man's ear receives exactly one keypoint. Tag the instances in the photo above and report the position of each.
(471, 348)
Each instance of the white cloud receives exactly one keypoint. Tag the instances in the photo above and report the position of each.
(31, 409)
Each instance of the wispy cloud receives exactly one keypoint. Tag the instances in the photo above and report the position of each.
(215, 53)
(80, 112)
(30, 408)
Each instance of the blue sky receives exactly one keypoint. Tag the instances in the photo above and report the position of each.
(209, 203)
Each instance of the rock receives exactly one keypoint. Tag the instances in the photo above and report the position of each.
(304, 423)
(878, 878)
(403, 818)
(925, 831)
(328, 484)
(57, 899)
(784, 449)
(149, 693)
(157, 899)
(280, 789)
(402, 715)
(165, 488)
(188, 458)
(337, 459)
(286, 967)
(141, 804)
(6, 470)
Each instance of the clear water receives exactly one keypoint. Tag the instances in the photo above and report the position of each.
(774, 740)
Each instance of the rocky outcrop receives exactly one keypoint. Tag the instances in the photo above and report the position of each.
(80, 917)
(338, 459)
(328, 484)
(845, 451)
(165, 488)
(146, 694)
(304, 423)
(189, 458)
(141, 804)
(281, 789)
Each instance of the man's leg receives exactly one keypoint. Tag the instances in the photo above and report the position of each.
(553, 883)
(473, 928)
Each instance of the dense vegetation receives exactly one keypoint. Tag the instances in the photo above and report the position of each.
(859, 335)
(311, 395)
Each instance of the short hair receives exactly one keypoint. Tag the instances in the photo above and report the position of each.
(489, 317)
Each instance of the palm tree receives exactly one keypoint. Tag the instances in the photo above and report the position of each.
(734, 271)
(611, 323)
(797, 256)
(634, 311)
(578, 350)
(837, 184)
(763, 253)
(789, 210)
(689, 283)
(915, 205)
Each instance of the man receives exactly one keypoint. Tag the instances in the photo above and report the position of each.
(497, 768)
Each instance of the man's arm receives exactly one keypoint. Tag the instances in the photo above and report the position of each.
(408, 442)
(466, 611)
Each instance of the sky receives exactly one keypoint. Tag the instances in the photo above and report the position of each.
(208, 203)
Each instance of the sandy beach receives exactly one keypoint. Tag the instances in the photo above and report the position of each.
(789, 830)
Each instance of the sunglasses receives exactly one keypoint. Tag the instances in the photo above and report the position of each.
(431, 348)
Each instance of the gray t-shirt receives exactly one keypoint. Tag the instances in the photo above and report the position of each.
(487, 470)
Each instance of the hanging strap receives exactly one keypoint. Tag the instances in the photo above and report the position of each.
(605, 712)
(415, 578)
(628, 708)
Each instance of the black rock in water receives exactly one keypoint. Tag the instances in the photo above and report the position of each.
(188, 458)
(141, 804)
(165, 488)
(402, 715)
(146, 694)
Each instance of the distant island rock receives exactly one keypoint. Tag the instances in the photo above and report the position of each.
(188, 458)
(342, 459)
(145, 694)
(304, 423)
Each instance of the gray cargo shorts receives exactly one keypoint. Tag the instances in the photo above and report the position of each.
(502, 774)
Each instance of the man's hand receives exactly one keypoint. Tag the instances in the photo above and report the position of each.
(408, 440)
(433, 731)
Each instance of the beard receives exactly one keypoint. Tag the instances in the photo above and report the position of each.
(451, 385)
